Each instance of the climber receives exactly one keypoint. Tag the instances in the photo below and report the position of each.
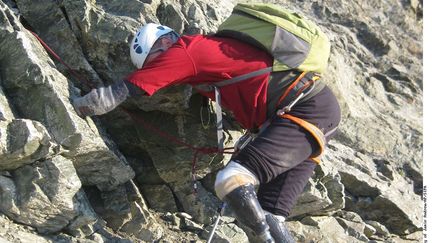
(278, 161)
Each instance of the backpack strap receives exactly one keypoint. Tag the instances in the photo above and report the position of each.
(219, 125)
(208, 87)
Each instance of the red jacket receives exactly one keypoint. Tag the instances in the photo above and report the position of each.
(202, 59)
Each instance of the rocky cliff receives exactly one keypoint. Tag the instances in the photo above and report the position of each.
(109, 179)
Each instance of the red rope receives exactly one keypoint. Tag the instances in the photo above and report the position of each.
(197, 150)
(73, 72)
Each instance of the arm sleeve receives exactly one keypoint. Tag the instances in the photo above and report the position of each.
(174, 66)
(101, 100)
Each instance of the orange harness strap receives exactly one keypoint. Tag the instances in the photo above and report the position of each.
(314, 131)
(291, 87)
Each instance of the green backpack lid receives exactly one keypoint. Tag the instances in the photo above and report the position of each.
(294, 41)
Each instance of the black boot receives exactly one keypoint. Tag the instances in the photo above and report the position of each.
(248, 211)
(278, 230)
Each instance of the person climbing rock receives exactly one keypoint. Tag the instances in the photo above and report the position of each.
(290, 129)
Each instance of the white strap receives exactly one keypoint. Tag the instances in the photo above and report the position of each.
(219, 125)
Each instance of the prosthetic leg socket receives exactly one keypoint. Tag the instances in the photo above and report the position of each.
(244, 202)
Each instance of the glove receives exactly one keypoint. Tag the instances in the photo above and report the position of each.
(101, 100)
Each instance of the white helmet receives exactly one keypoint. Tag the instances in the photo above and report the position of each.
(144, 40)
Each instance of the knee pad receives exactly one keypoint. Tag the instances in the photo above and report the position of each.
(231, 177)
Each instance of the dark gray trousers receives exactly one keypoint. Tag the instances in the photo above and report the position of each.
(279, 156)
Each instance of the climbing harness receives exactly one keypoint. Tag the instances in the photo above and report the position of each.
(299, 88)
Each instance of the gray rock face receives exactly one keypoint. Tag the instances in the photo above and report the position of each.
(160, 198)
(125, 211)
(40, 92)
(201, 205)
(378, 192)
(41, 195)
(322, 229)
(227, 232)
(61, 173)
(23, 142)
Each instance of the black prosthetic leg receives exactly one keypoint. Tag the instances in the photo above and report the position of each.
(248, 211)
